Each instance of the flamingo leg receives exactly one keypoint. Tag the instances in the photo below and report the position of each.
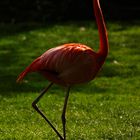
(64, 112)
(34, 105)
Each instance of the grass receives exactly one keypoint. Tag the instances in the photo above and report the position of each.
(107, 108)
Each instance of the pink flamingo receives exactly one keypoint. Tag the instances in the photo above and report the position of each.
(70, 64)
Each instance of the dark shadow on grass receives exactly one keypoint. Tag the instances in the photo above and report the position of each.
(13, 29)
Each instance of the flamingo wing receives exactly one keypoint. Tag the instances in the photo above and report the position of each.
(69, 64)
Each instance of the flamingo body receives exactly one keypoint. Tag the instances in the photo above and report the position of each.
(66, 65)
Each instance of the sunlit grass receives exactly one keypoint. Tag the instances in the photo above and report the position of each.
(107, 108)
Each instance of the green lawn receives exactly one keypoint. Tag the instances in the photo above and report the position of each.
(107, 108)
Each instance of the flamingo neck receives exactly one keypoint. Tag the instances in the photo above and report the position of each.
(104, 46)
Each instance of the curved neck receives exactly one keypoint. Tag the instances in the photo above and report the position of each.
(104, 46)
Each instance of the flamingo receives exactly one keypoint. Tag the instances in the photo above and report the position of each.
(70, 64)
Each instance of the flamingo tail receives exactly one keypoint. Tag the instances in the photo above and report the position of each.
(34, 66)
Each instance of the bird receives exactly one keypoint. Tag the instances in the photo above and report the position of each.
(70, 64)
